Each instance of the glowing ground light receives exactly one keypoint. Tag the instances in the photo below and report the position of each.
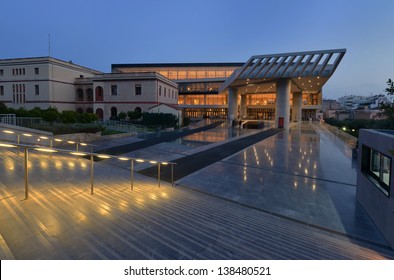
(153, 162)
(77, 153)
(8, 131)
(103, 156)
(140, 160)
(123, 158)
(7, 145)
(46, 150)
(27, 134)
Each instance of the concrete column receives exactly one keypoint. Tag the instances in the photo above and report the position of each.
(243, 110)
(232, 104)
(297, 107)
(282, 110)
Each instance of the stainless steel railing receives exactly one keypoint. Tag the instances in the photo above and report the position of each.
(90, 155)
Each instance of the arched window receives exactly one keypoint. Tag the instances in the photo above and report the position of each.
(138, 110)
(114, 112)
(89, 93)
(79, 110)
(79, 94)
(100, 113)
(99, 94)
(89, 110)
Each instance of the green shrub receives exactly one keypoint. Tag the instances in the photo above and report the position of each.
(68, 117)
(134, 115)
(86, 117)
(122, 115)
(186, 121)
(159, 119)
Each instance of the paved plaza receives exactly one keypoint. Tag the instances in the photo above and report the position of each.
(289, 196)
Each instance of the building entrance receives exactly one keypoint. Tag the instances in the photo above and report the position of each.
(261, 113)
(308, 113)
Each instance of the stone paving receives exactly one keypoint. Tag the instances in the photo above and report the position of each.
(290, 196)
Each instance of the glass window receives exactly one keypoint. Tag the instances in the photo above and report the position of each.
(181, 75)
(191, 74)
(376, 166)
(1, 90)
(1, 72)
(138, 89)
(159, 90)
(172, 75)
(201, 74)
(36, 71)
(37, 89)
(385, 171)
(375, 162)
(114, 90)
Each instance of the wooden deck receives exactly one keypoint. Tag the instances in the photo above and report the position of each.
(62, 220)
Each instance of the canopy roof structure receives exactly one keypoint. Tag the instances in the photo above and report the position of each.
(308, 71)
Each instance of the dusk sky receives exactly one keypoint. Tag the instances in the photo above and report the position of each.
(95, 33)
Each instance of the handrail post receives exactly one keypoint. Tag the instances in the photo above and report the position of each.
(18, 136)
(132, 174)
(26, 164)
(91, 173)
(172, 175)
(158, 174)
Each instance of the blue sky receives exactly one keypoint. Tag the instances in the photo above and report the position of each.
(97, 33)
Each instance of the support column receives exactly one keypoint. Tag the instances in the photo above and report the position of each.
(297, 107)
(282, 110)
(243, 111)
(232, 104)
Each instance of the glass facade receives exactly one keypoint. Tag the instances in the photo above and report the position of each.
(208, 87)
(184, 72)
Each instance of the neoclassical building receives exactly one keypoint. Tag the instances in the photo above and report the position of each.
(109, 94)
(40, 82)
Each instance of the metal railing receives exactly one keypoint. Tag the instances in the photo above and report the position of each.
(27, 121)
(40, 138)
(8, 119)
(123, 126)
(91, 156)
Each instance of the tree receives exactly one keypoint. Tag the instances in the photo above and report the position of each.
(3, 108)
(388, 108)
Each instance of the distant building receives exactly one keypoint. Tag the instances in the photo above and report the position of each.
(40, 82)
(117, 92)
(329, 108)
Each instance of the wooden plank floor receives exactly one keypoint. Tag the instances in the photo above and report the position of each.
(62, 220)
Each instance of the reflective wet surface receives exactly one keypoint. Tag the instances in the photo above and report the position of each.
(286, 197)
(305, 174)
